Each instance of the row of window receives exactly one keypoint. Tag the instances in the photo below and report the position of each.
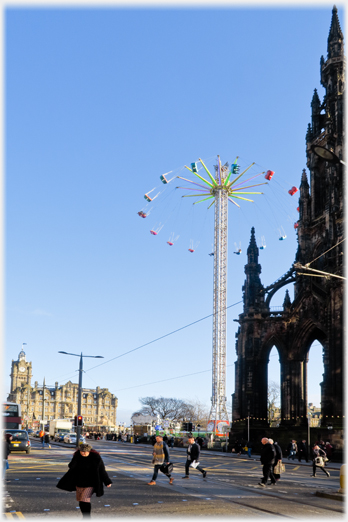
(53, 407)
(69, 395)
(51, 417)
(84, 402)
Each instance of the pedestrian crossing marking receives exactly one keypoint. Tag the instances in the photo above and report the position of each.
(23, 468)
(15, 514)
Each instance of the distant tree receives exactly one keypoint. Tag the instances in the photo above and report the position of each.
(167, 408)
(197, 413)
(273, 397)
(175, 410)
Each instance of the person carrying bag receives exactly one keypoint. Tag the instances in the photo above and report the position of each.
(193, 451)
(318, 460)
(161, 461)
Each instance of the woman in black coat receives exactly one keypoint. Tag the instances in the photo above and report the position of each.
(86, 476)
(278, 457)
(7, 451)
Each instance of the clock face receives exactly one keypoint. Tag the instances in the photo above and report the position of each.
(21, 369)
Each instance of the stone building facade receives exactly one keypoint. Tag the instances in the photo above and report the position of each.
(41, 402)
(317, 310)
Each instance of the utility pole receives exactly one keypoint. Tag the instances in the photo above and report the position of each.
(78, 428)
(43, 404)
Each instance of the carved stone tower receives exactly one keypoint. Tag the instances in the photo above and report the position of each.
(21, 372)
(316, 313)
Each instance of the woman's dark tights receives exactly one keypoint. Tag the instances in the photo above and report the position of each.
(85, 508)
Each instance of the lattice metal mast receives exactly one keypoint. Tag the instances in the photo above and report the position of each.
(218, 399)
(221, 190)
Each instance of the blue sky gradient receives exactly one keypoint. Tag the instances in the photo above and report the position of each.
(98, 104)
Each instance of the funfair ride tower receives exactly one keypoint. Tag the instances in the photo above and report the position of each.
(218, 409)
(221, 190)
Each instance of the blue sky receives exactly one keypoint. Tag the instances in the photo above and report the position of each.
(98, 104)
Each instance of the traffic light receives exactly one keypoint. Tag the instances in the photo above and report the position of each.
(79, 420)
(184, 426)
(75, 420)
(189, 426)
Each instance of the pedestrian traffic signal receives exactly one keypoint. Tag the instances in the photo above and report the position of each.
(79, 420)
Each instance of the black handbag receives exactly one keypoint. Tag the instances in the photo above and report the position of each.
(167, 468)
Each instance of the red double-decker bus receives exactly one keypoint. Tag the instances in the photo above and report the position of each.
(12, 416)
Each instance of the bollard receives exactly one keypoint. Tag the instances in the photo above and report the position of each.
(342, 479)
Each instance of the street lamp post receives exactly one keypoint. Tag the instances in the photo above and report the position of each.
(78, 428)
(326, 154)
(309, 430)
(43, 408)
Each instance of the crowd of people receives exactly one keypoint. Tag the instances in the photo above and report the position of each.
(294, 450)
(272, 456)
(87, 474)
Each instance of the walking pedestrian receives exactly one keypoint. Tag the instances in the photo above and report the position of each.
(160, 456)
(193, 452)
(318, 456)
(292, 449)
(328, 450)
(267, 460)
(46, 440)
(171, 442)
(238, 447)
(199, 441)
(250, 447)
(278, 457)
(7, 451)
(302, 451)
(86, 476)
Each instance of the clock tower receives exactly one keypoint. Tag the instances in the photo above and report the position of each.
(21, 371)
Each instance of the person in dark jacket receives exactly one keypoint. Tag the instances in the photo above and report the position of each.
(292, 449)
(267, 460)
(238, 447)
(328, 450)
(302, 451)
(160, 457)
(86, 476)
(193, 451)
(7, 451)
(199, 441)
(318, 452)
(278, 457)
(47, 439)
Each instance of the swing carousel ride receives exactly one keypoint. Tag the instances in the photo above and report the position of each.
(219, 190)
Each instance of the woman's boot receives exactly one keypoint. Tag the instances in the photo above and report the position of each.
(85, 508)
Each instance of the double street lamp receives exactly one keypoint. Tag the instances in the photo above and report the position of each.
(78, 428)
